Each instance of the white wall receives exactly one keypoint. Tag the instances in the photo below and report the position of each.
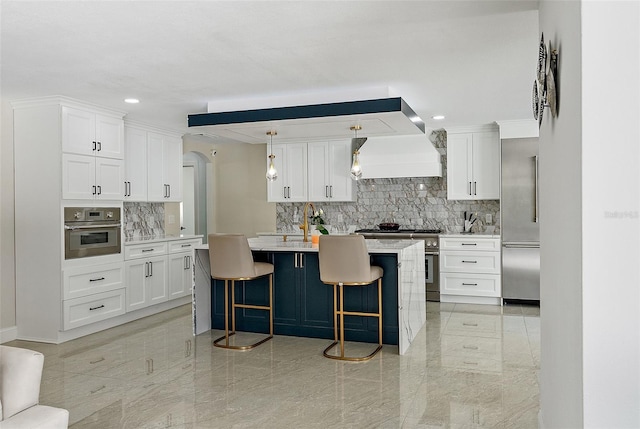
(589, 258)
(610, 188)
(7, 257)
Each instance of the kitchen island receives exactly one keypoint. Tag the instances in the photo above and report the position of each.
(303, 305)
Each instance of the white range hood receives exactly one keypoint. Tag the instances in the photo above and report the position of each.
(399, 156)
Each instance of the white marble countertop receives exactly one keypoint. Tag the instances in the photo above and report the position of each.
(275, 244)
(474, 235)
(160, 238)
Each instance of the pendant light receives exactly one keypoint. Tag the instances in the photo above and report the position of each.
(356, 170)
(272, 173)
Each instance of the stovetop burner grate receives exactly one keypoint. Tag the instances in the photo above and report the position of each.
(400, 231)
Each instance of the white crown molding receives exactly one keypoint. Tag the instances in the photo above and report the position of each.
(518, 129)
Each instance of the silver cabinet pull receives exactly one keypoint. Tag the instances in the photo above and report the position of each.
(301, 260)
(475, 188)
(295, 260)
(96, 280)
(99, 146)
(469, 284)
(93, 362)
(186, 245)
(470, 347)
(331, 191)
(469, 324)
(94, 145)
(326, 191)
(147, 250)
(99, 190)
(469, 244)
(98, 389)
(469, 262)
(169, 191)
(150, 269)
(469, 188)
(96, 308)
(93, 189)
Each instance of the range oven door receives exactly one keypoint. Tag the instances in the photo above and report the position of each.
(432, 273)
(91, 240)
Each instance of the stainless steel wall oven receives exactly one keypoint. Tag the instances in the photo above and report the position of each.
(91, 231)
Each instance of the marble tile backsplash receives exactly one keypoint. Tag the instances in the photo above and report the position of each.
(415, 202)
(142, 220)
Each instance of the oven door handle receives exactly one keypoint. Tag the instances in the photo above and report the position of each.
(72, 228)
(432, 253)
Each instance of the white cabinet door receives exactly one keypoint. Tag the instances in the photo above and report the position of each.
(146, 282)
(136, 275)
(157, 280)
(109, 178)
(277, 189)
(109, 135)
(296, 171)
(155, 166)
(291, 163)
(318, 161)
(341, 184)
(180, 277)
(459, 169)
(135, 165)
(78, 177)
(486, 166)
(164, 167)
(78, 131)
(172, 171)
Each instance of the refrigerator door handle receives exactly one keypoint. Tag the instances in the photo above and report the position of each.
(535, 212)
(516, 245)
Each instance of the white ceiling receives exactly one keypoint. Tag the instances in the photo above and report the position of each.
(472, 61)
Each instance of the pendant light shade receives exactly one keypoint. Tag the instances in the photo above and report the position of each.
(356, 170)
(272, 173)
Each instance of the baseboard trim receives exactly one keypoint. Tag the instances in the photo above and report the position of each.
(8, 334)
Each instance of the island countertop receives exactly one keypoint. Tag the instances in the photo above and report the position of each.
(276, 244)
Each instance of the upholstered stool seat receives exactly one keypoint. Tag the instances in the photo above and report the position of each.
(231, 260)
(344, 261)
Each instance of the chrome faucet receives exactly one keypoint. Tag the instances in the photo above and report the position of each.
(305, 223)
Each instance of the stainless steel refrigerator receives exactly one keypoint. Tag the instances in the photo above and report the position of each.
(519, 220)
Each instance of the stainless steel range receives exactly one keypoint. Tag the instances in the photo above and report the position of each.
(431, 252)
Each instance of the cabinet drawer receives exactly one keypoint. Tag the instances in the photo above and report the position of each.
(471, 243)
(470, 284)
(183, 245)
(470, 262)
(93, 308)
(145, 250)
(93, 279)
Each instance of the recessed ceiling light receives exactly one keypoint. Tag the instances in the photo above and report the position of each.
(438, 117)
(131, 100)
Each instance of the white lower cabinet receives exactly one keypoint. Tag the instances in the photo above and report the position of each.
(146, 282)
(181, 267)
(93, 308)
(470, 269)
(159, 271)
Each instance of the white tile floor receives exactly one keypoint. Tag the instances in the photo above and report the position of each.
(470, 367)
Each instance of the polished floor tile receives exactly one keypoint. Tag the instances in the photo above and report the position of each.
(471, 366)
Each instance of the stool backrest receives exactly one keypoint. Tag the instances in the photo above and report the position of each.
(230, 256)
(344, 258)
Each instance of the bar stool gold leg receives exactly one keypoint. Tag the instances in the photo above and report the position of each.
(380, 312)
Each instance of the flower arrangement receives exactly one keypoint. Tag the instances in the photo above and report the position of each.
(316, 219)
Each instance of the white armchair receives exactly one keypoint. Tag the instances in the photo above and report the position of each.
(20, 374)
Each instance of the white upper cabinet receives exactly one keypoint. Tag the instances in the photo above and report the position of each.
(164, 168)
(135, 165)
(329, 164)
(291, 164)
(473, 165)
(89, 133)
(153, 165)
(91, 178)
